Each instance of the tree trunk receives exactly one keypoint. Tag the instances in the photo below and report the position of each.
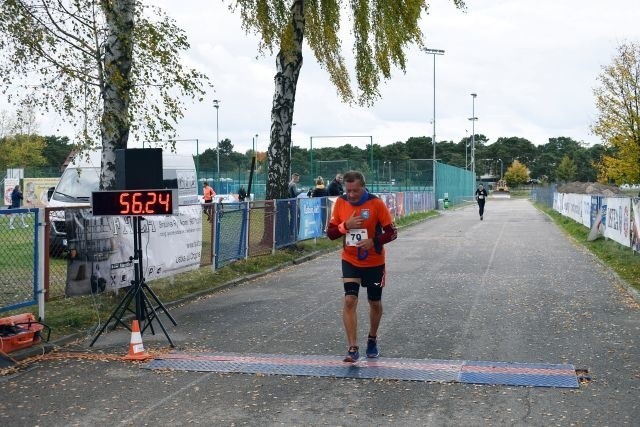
(116, 96)
(288, 65)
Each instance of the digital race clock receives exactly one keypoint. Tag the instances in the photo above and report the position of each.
(134, 202)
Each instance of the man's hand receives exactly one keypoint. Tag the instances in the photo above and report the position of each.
(353, 221)
(365, 244)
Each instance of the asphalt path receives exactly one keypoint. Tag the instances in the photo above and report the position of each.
(510, 288)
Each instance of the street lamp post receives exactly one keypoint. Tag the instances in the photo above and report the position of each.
(501, 167)
(434, 52)
(473, 119)
(216, 104)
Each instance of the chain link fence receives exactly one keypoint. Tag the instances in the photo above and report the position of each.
(543, 194)
(18, 258)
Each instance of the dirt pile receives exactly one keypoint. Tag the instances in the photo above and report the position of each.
(589, 188)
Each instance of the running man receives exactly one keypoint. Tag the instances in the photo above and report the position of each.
(481, 197)
(366, 225)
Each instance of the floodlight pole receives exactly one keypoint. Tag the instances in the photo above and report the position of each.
(473, 119)
(434, 52)
(216, 104)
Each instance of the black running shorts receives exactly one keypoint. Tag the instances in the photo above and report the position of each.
(371, 278)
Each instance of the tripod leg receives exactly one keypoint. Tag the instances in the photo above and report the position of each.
(116, 314)
(149, 313)
(160, 305)
(154, 315)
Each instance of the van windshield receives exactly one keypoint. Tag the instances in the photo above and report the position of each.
(77, 184)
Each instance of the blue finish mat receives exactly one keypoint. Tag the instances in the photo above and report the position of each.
(505, 373)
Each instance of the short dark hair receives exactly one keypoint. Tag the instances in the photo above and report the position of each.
(353, 176)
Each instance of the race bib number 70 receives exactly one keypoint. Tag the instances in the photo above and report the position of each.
(356, 235)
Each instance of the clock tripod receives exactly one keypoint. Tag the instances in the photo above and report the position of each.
(140, 294)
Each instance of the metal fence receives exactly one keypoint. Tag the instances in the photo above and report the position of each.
(543, 195)
(386, 176)
(18, 258)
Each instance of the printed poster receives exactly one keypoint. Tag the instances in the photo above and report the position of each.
(311, 224)
(9, 185)
(618, 225)
(100, 248)
(36, 191)
(635, 224)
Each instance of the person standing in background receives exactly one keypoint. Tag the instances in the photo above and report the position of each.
(208, 195)
(293, 186)
(335, 187)
(16, 201)
(319, 190)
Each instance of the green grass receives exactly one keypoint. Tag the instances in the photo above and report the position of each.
(620, 259)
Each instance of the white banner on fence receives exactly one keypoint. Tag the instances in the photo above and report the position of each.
(635, 243)
(618, 220)
(100, 247)
(557, 202)
(586, 210)
(572, 206)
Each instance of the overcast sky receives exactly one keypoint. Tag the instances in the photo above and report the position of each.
(532, 63)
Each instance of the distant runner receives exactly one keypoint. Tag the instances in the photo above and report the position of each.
(481, 197)
(365, 224)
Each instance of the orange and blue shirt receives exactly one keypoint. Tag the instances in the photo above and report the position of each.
(376, 218)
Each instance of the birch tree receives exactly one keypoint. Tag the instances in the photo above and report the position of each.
(110, 68)
(382, 30)
(618, 119)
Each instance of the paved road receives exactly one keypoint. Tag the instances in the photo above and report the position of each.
(509, 288)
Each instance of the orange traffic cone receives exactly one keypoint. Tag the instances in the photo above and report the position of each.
(136, 349)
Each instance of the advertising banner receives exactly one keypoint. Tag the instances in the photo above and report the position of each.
(618, 220)
(572, 206)
(100, 248)
(35, 191)
(311, 225)
(586, 210)
(558, 202)
(9, 185)
(635, 224)
(596, 205)
(599, 223)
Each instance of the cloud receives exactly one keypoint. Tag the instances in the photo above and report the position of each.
(533, 65)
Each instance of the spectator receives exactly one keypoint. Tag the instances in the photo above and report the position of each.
(293, 186)
(335, 187)
(208, 199)
(319, 190)
(16, 200)
(242, 194)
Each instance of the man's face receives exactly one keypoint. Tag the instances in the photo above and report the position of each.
(353, 190)
(296, 178)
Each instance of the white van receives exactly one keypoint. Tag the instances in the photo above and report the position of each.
(82, 177)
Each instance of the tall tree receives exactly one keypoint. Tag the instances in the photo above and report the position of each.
(566, 170)
(618, 120)
(109, 67)
(21, 151)
(516, 174)
(382, 30)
